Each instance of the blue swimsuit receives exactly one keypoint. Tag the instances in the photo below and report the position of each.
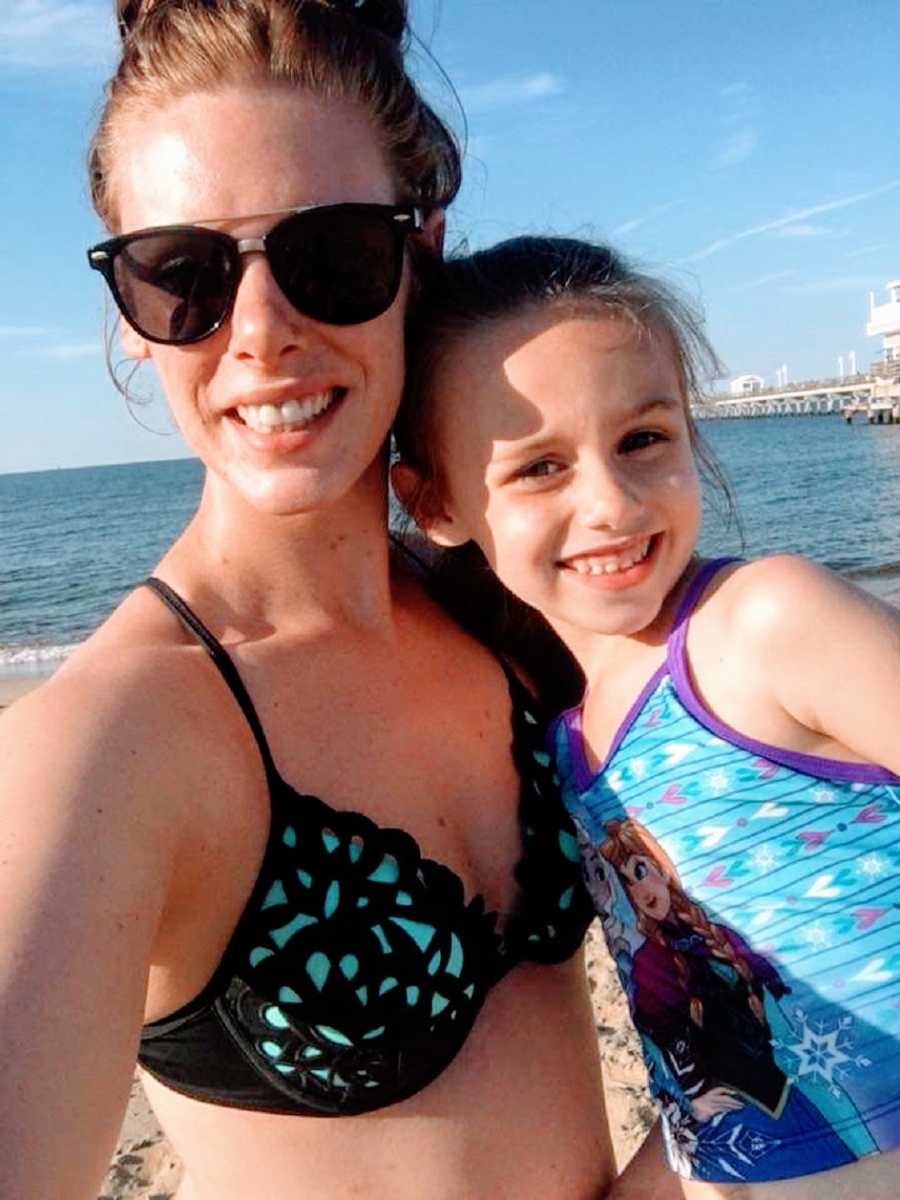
(750, 897)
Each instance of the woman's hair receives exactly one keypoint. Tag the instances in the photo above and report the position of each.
(525, 274)
(350, 50)
(627, 838)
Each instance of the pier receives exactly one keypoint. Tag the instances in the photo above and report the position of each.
(875, 396)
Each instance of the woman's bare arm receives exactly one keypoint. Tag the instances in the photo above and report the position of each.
(87, 844)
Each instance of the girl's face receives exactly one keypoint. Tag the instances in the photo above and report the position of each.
(647, 887)
(252, 149)
(567, 458)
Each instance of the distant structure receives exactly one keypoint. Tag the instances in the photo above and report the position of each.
(746, 385)
(884, 319)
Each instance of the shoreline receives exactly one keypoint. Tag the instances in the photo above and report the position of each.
(16, 680)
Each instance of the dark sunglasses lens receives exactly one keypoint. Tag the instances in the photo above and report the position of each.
(175, 286)
(340, 266)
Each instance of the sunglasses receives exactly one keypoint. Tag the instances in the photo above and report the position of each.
(337, 263)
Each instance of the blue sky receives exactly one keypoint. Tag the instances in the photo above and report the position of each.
(747, 151)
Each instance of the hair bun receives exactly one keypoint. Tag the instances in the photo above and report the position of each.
(386, 16)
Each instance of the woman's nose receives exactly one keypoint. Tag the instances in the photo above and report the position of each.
(264, 324)
(608, 499)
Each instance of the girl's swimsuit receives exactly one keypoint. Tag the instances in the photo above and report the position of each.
(358, 967)
(773, 976)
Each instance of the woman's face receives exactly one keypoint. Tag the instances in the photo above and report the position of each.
(246, 150)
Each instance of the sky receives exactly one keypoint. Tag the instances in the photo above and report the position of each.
(745, 151)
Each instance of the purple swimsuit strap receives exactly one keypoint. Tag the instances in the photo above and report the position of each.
(698, 585)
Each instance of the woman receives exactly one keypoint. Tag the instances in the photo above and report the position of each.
(201, 854)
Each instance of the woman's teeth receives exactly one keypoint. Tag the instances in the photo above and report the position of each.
(291, 415)
(609, 564)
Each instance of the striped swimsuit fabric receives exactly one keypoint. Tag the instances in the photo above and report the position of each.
(750, 897)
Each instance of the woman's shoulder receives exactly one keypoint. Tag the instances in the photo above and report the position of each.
(115, 717)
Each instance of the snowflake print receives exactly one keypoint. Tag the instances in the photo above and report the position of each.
(873, 866)
(818, 936)
(821, 1053)
(763, 858)
(822, 795)
(717, 782)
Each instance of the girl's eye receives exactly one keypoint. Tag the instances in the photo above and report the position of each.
(640, 872)
(541, 469)
(640, 439)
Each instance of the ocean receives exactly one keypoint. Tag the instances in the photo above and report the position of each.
(73, 542)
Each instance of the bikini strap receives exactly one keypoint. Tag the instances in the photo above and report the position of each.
(689, 601)
(223, 662)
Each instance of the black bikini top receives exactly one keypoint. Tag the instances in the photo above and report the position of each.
(358, 967)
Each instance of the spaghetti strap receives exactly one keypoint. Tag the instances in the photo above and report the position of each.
(222, 660)
(697, 587)
(689, 601)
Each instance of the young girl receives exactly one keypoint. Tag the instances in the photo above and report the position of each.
(734, 768)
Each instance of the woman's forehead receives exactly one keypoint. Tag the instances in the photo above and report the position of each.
(244, 149)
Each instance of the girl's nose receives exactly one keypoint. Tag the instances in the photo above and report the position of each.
(264, 324)
(607, 499)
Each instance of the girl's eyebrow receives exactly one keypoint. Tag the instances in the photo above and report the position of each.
(665, 402)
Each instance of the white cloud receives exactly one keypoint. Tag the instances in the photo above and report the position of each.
(634, 223)
(67, 350)
(800, 215)
(23, 331)
(502, 92)
(803, 229)
(843, 283)
(763, 280)
(52, 33)
(875, 249)
(737, 147)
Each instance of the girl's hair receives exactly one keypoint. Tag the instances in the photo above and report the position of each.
(523, 274)
(336, 49)
(627, 838)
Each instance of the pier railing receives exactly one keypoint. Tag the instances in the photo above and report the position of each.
(875, 396)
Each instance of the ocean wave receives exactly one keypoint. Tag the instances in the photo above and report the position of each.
(33, 656)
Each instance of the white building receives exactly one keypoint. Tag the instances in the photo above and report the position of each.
(884, 319)
(746, 385)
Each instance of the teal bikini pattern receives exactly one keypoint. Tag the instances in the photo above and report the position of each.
(358, 966)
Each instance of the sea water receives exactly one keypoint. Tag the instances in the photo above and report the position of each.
(73, 542)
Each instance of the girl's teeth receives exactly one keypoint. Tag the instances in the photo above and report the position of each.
(609, 565)
(264, 418)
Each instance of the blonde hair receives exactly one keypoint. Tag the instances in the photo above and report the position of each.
(627, 838)
(351, 50)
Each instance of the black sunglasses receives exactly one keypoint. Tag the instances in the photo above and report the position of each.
(337, 263)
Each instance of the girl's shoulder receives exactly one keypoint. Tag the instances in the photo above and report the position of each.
(768, 602)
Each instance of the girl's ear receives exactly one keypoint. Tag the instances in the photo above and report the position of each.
(421, 501)
(133, 344)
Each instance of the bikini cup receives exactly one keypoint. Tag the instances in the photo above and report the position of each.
(359, 966)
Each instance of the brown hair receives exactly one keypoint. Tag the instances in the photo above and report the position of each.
(627, 838)
(336, 49)
(527, 273)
